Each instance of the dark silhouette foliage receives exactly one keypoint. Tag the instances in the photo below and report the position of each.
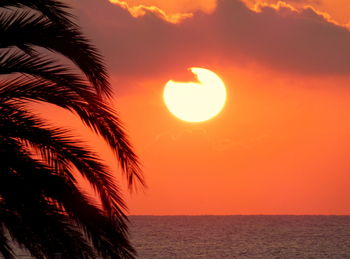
(42, 208)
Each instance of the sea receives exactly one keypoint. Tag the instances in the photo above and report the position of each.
(210, 237)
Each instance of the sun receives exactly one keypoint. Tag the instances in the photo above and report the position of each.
(196, 101)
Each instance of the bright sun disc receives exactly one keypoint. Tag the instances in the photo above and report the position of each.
(196, 101)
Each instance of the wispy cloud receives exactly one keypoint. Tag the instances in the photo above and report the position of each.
(141, 10)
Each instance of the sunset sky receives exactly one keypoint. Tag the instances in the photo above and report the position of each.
(281, 145)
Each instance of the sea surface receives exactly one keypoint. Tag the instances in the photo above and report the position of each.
(211, 237)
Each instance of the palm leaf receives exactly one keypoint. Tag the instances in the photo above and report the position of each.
(13, 62)
(94, 113)
(61, 152)
(36, 181)
(5, 248)
(55, 10)
(25, 30)
(41, 205)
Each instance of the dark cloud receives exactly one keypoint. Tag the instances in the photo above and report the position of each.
(302, 42)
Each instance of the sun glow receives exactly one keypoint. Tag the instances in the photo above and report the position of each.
(196, 101)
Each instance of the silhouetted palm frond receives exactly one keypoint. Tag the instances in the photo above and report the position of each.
(46, 200)
(25, 30)
(87, 105)
(61, 152)
(41, 205)
(54, 10)
(5, 248)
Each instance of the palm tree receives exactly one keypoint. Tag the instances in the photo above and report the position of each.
(42, 207)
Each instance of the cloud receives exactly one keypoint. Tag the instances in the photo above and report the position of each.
(283, 38)
(293, 2)
(334, 11)
(141, 10)
(282, 6)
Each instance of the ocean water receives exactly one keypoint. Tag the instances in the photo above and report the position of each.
(211, 237)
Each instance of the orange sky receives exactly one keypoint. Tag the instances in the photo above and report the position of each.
(281, 144)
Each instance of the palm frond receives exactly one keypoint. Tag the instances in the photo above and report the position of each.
(61, 151)
(13, 62)
(41, 205)
(24, 208)
(94, 113)
(55, 10)
(34, 182)
(25, 30)
(5, 248)
(46, 233)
